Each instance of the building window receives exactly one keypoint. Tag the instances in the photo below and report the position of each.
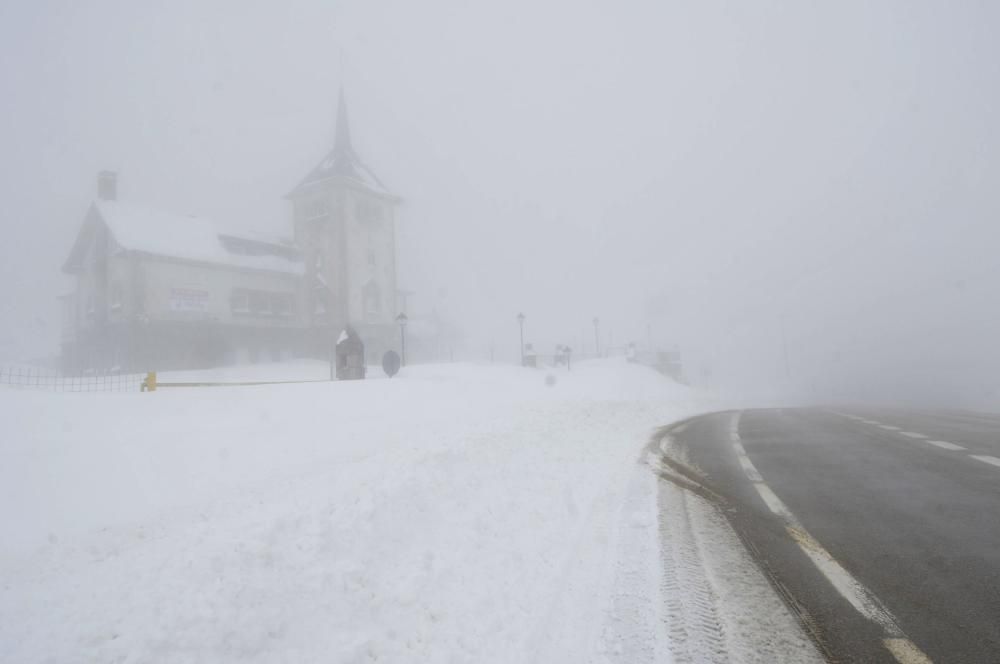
(260, 302)
(282, 304)
(372, 298)
(319, 305)
(115, 296)
(371, 257)
(368, 211)
(89, 310)
(240, 301)
(317, 208)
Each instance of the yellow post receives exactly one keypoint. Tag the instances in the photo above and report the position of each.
(149, 385)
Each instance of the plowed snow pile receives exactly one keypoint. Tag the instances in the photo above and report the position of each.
(455, 513)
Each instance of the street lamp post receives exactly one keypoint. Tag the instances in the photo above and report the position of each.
(597, 337)
(402, 320)
(784, 348)
(520, 322)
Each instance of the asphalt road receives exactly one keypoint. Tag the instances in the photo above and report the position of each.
(906, 505)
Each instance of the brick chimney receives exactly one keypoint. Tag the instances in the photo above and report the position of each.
(107, 186)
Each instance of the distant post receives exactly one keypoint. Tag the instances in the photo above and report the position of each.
(333, 361)
(520, 322)
(402, 320)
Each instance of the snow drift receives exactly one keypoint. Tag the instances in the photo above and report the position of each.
(451, 514)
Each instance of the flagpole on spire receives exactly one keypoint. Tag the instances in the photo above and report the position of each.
(342, 135)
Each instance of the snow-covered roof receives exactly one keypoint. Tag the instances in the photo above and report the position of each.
(345, 164)
(188, 237)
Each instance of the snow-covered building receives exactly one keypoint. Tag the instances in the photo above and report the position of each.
(156, 290)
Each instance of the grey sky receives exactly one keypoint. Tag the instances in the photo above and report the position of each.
(710, 172)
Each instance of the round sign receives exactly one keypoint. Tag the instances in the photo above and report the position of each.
(390, 363)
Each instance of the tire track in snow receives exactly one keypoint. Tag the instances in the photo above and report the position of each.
(696, 629)
(720, 605)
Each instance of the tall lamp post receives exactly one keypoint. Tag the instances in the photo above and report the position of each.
(520, 322)
(597, 336)
(402, 320)
(784, 348)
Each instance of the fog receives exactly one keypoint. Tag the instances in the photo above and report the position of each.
(800, 197)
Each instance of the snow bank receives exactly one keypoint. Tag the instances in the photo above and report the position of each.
(454, 513)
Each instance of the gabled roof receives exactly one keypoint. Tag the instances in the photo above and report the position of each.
(158, 233)
(342, 160)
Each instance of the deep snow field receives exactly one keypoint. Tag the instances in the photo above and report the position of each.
(455, 513)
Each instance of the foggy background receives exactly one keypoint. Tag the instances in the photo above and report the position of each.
(802, 197)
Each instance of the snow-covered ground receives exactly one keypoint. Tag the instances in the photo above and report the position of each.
(291, 370)
(456, 513)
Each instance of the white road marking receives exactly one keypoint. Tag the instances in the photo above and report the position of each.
(905, 651)
(985, 458)
(862, 599)
(945, 445)
(850, 588)
(772, 501)
(748, 468)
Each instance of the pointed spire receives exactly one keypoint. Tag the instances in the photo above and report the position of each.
(342, 160)
(342, 138)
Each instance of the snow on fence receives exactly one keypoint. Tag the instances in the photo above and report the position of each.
(56, 381)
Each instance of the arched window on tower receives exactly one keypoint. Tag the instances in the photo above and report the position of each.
(372, 297)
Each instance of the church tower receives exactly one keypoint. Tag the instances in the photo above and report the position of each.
(344, 221)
